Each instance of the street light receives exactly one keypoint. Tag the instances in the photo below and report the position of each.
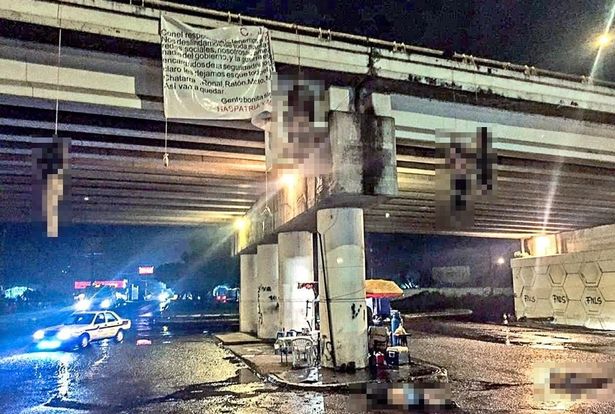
(500, 261)
(604, 40)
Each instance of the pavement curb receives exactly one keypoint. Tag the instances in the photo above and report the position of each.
(247, 363)
(439, 375)
(340, 386)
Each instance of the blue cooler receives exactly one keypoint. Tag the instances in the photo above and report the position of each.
(392, 358)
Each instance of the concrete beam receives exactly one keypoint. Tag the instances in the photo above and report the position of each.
(136, 23)
(363, 171)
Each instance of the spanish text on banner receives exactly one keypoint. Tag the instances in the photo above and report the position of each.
(222, 73)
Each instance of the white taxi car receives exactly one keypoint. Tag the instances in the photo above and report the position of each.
(81, 328)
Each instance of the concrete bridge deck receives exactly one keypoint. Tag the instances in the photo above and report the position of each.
(554, 133)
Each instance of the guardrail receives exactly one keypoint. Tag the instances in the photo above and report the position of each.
(237, 18)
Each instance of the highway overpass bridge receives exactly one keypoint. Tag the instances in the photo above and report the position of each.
(554, 135)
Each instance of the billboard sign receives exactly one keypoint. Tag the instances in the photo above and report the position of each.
(84, 284)
(146, 270)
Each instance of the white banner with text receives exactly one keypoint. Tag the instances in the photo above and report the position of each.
(222, 73)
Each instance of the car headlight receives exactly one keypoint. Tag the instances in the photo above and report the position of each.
(64, 334)
(83, 305)
(38, 335)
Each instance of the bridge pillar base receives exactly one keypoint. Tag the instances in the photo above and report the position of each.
(267, 291)
(343, 315)
(296, 265)
(247, 297)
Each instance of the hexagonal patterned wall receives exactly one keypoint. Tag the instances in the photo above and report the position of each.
(575, 289)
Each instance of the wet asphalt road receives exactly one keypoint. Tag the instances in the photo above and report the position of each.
(491, 367)
(167, 371)
(154, 370)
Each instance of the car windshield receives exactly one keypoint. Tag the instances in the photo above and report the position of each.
(79, 319)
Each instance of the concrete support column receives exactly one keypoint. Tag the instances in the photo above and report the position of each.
(247, 295)
(296, 264)
(267, 291)
(343, 315)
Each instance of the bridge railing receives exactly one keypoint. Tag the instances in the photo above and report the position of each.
(236, 18)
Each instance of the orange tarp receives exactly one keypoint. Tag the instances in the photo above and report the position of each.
(380, 288)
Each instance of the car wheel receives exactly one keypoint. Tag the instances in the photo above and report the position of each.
(119, 336)
(84, 341)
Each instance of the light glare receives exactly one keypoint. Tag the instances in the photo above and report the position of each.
(604, 39)
(240, 223)
(544, 245)
(289, 180)
(83, 305)
(64, 334)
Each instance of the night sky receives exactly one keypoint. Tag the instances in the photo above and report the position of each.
(550, 34)
(31, 257)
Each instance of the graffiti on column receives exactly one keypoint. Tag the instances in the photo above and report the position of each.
(273, 304)
(258, 305)
(355, 310)
(326, 349)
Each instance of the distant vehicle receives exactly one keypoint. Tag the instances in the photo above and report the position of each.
(98, 299)
(224, 294)
(80, 329)
(233, 295)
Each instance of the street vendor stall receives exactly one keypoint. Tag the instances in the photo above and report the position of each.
(380, 292)
(379, 337)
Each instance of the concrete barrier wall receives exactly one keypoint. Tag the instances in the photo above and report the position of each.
(573, 288)
(456, 292)
(595, 238)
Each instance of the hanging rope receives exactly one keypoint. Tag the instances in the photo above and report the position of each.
(266, 188)
(58, 62)
(165, 157)
(298, 48)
